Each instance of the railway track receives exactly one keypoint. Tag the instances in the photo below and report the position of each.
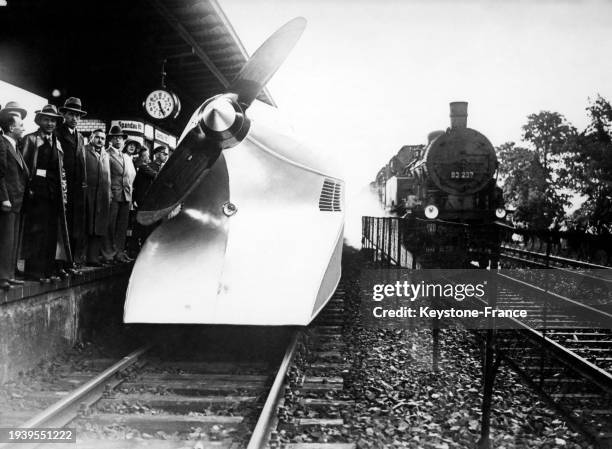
(565, 356)
(147, 400)
(572, 267)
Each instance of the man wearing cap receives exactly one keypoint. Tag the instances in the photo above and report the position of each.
(160, 156)
(122, 179)
(146, 171)
(13, 179)
(45, 226)
(73, 144)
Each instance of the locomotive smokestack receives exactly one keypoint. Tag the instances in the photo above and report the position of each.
(458, 114)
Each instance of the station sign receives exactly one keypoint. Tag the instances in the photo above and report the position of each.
(165, 138)
(149, 131)
(130, 125)
(138, 139)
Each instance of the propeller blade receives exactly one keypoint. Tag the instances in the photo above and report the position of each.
(189, 163)
(265, 61)
(218, 124)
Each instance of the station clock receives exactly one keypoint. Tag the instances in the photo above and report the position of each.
(162, 104)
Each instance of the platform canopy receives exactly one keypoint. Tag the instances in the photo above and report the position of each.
(111, 53)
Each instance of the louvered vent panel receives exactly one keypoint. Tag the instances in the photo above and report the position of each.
(331, 194)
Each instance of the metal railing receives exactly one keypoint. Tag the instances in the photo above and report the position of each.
(383, 236)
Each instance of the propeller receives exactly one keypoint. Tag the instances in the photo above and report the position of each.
(219, 123)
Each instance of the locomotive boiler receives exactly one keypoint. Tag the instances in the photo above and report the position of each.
(251, 219)
(452, 202)
(454, 179)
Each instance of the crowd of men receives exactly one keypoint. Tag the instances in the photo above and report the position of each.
(65, 201)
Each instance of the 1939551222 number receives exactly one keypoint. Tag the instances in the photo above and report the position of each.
(40, 435)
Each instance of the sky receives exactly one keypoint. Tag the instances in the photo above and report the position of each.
(370, 76)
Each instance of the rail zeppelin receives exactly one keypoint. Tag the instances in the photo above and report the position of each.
(252, 220)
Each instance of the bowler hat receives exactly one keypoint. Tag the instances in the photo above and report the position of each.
(73, 104)
(116, 131)
(48, 110)
(13, 107)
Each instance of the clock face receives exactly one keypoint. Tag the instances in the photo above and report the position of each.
(160, 104)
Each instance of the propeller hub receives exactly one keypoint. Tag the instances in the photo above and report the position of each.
(219, 115)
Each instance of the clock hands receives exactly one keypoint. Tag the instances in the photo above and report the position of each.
(161, 108)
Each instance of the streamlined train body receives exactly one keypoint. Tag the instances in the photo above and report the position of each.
(257, 221)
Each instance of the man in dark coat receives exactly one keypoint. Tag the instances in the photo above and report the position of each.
(146, 171)
(145, 174)
(74, 165)
(13, 179)
(160, 156)
(98, 202)
(45, 225)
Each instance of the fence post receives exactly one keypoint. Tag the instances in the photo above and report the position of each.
(389, 239)
(490, 363)
(399, 241)
(378, 238)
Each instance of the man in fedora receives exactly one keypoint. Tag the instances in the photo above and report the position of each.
(122, 179)
(45, 228)
(13, 107)
(73, 145)
(13, 179)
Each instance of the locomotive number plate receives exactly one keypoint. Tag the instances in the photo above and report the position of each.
(462, 174)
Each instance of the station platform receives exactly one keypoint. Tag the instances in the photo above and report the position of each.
(38, 321)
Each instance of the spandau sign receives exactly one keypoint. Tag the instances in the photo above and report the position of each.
(130, 125)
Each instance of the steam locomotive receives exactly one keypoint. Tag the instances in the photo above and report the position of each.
(449, 197)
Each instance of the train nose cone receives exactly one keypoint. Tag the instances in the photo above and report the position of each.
(219, 115)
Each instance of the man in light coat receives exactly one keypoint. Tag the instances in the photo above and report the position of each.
(122, 179)
(98, 201)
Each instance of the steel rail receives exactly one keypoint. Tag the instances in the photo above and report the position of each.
(261, 432)
(601, 313)
(587, 369)
(65, 410)
(577, 263)
(543, 266)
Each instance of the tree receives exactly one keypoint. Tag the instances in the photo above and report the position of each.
(535, 175)
(593, 174)
(525, 187)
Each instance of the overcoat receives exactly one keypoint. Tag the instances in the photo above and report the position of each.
(98, 191)
(14, 175)
(145, 174)
(35, 225)
(122, 175)
(76, 178)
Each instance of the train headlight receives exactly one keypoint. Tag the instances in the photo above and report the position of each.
(431, 211)
(500, 212)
